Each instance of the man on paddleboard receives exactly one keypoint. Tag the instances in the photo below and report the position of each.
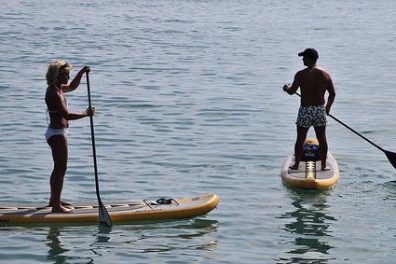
(313, 82)
(58, 75)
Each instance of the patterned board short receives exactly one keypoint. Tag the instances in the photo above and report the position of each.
(313, 115)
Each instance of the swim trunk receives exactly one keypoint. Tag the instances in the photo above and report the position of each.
(54, 131)
(313, 115)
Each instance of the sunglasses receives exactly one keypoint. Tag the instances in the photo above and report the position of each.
(64, 66)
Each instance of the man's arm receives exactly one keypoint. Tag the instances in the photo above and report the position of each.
(291, 89)
(331, 97)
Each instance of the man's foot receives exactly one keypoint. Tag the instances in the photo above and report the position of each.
(293, 167)
(325, 169)
(60, 209)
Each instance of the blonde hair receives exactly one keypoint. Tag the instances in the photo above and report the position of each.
(54, 68)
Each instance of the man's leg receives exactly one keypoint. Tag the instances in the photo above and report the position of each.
(298, 147)
(321, 136)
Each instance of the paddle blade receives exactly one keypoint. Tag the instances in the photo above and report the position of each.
(104, 217)
(391, 157)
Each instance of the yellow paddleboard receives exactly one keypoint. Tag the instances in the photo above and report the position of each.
(131, 211)
(309, 174)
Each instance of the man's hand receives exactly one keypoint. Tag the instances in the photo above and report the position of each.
(327, 109)
(286, 87)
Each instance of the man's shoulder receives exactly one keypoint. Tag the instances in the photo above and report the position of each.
(301, 72)
(315, 71)
(321, 69)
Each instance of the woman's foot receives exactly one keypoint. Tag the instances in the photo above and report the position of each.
(325, 169)
(66, 204)
(293, 167)
(60, 209)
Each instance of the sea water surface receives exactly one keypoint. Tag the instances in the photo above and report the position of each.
(189, 101)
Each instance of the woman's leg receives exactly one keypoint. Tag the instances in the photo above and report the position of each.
(58, 144)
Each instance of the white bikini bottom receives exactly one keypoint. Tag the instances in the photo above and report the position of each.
(54, 131)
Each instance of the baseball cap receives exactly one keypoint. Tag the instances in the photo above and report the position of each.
(310, 52)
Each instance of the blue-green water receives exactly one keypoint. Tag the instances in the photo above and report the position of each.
(189, 101)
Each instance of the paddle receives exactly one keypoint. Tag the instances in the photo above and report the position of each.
(104, 217)
(390, 155)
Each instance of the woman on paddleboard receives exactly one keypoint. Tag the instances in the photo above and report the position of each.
(57, 76)
(313, 82)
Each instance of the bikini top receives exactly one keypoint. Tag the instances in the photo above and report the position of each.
(56, 111)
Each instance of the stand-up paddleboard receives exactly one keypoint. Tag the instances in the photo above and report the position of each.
(309, 174)
(133, 211)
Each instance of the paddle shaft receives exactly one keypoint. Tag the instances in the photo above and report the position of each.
(360, 135)
(104, 217)
(354, 131)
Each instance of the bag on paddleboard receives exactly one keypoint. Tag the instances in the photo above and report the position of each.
(310, 152)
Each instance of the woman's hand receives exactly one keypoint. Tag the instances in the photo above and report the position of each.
(90, 111)
(85, 69)
(76, 81)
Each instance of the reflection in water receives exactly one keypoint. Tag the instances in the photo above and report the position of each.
(66, 242)
(103, 234)
(389, 191)
(180, 235)
(310, 226)
(56, 250)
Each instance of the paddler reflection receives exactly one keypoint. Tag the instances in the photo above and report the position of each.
(309, 225)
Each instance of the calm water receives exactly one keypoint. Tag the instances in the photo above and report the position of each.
(189, 101)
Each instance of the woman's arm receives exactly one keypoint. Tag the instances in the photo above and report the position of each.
(64, 112)
(76, 81)
(74, 116)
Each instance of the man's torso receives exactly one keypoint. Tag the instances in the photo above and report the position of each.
(313, 84)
